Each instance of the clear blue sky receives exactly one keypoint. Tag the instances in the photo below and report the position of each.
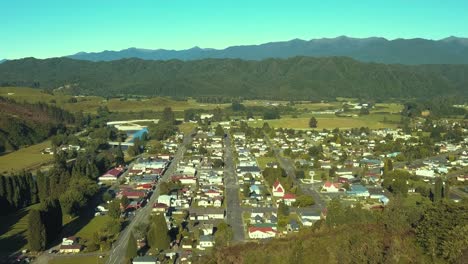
(46, 28)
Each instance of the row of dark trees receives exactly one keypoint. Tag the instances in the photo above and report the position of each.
(16, 192)
(44, 224)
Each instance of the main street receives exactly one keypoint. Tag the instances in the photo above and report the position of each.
(233, 208)
(118, 251)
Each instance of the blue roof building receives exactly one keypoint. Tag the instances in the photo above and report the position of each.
(358, 190)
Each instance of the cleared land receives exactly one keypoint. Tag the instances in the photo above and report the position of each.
(25, 158)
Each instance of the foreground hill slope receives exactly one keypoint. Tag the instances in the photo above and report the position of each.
(24, 124)
(298, 77)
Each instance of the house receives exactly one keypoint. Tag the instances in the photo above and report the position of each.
(206, 241)
(308, 219)
(165, 199)
(278, 190)
(218, 201)
(111, 175)
(160, 207)
(255, 189)
(429, 173)
(206, 213)
(293, 226)
(273, 219)
(133, 194)
(144, 260)
(212, 193)
(289, 199)
(70, 248)
(203, 202)
(184, 179)
(261, 232)
(331, 187)
(358, 190)
(207, 229)
(67, 241)
(254, 170)
(346, 178)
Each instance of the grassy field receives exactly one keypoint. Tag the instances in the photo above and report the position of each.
(331, 122)
(90, 104)
(78, 260)
(25, 158)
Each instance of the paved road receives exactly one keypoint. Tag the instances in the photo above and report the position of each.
(118, 251)
(233, 210)
(288, 166)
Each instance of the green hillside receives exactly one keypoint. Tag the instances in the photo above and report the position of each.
(294, 78)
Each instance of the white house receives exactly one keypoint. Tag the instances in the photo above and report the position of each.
(206, 241)
(165, 199)
(261, 232)
(331, 187)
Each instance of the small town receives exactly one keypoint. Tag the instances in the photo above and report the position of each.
(234, 132)
(227, 182)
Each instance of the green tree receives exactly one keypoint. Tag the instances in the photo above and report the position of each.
(114, 209)
(388, 166)
(438, 190)
(124, 201)
(119, 156)
(132, 249)
(283, 209)
(313, 122)
(158, 235)
(168, 116)
(36, 231)
(219, 131)
(304, 201)
(246, 190)
(223, 235)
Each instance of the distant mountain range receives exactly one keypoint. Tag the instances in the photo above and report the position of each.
(451, 50)
(2, 60)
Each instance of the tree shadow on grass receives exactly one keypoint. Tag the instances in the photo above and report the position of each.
(9, 246)
(85, 216)
(7, 222)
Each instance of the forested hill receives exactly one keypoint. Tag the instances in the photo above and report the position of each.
(25, 124)
(451, 50)
(294, 78)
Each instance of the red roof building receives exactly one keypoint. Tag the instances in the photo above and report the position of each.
(278, 190)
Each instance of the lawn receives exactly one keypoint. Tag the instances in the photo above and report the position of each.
(262, 161)
(93, 226)
(25, 158)
(78, 260)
